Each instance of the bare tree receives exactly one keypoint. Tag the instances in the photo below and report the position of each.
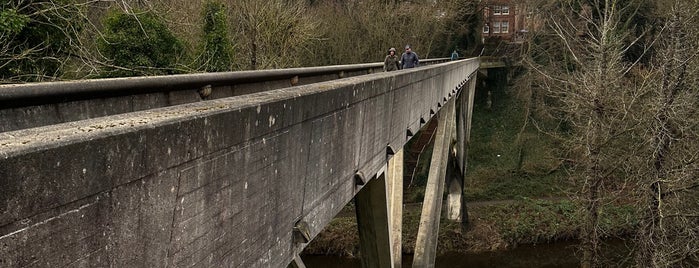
(274, 33)
(669, 189)
(584, 72)
(363, 31)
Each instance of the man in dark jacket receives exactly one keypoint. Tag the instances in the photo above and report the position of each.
(409, 59)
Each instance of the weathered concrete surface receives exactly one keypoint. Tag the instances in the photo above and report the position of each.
(372, 207)
(39, 104)
(394, 177)
(426, 242)
(297, 262)
(209, 184)
(456, 209)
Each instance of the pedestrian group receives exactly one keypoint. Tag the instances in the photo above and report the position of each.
(408, 59)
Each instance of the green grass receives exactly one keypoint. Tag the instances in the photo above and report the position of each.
(508, 159)
(531, 221)
(513, 185)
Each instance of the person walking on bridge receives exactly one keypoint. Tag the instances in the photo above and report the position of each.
(454, 55)
(409, 59)
(391, 61)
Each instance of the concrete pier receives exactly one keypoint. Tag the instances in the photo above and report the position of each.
(426, 245)
(395, 192)
(456, 209)
(371, 204)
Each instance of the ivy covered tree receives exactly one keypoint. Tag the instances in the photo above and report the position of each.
(217, 52)
(138, 44)
(36, 38)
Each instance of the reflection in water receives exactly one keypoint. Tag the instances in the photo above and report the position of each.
(321, 261)
(553, 255)
(550, 255)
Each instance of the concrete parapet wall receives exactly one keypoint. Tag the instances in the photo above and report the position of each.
(219, 183)
(39, 104)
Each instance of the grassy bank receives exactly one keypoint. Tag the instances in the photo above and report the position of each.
(508, 156)
(492, 227)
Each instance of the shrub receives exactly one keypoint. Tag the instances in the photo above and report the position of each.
(36, 38)
(217, 51)
(139, 44)
(12, 22)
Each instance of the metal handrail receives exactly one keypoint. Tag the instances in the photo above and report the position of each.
(149, 84)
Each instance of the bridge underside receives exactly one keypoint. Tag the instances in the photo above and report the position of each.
(244, 181)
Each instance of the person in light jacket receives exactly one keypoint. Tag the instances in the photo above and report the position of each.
(391, 61)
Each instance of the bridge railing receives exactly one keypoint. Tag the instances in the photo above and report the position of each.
(39, 104)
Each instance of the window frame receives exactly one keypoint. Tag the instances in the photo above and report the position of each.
(505, 26)
(496, 27)
(497, 10)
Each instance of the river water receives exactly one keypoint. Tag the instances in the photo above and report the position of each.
(560, 254)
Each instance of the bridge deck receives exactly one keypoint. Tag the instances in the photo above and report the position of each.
(215, 183)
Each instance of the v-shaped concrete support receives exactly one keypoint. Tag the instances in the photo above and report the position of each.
(426, 245)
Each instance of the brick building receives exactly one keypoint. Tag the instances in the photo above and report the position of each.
(505, 19)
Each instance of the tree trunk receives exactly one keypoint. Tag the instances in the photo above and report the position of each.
(590, 236)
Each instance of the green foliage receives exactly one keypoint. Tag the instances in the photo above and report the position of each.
(12, 22)
(507, 186)
(217, 54)
(531, 221)
(37, 37)
(139, 44)
(508, 157)
(464, 27)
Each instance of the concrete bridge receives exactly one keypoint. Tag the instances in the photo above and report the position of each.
(236, 169)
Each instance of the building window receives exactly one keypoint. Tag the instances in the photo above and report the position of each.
(505, 10)
(505, 27)
(497, 10)
(486, 29)
(496, 27)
